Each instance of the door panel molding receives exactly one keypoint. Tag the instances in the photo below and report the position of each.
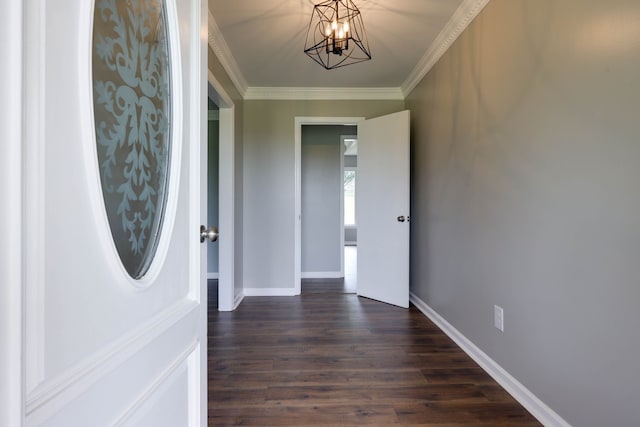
(12, 187)
(56, 392)
(33, 237)
(188, 363)
(149, 370)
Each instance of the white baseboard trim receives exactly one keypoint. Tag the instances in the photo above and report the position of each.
(237, 300)
(321, 275)
(537, 407)
(213, 275)
(269, 292)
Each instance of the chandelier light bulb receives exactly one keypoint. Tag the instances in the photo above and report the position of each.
(336, 35)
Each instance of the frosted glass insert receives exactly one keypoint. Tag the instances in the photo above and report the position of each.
(131, 100)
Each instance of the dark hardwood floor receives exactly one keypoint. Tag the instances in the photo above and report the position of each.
(330, 358)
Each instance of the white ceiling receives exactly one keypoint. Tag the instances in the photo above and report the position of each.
(261, 42)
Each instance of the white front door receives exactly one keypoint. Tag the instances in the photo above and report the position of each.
(382, 208)
(108, 339)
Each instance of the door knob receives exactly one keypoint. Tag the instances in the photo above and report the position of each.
(401, 218)
(211, 233)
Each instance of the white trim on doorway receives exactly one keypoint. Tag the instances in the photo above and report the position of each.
(341, 192)
(297, 233)
(323, 274)
(226, 203)
(269, 292)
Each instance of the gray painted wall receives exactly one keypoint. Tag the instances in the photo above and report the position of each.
(525, 172)
(269, 128)
(213, 133)
(321, 176)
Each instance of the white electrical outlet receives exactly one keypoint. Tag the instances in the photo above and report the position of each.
(498, 317)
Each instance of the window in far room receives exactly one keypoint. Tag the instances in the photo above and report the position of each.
(349, 196)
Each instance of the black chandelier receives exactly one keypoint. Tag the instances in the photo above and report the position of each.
(336, 35)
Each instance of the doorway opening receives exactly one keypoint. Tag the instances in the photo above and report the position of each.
(224, 201)
(213, 158)
(327, 202)
(382, 203)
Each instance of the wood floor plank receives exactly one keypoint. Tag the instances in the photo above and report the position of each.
(308, 415)
(389, 394)
(328, 358)
(312, 377)
(496, 413)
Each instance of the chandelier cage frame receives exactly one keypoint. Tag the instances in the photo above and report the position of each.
(336, 35)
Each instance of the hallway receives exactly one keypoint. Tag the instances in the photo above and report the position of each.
(330, 358)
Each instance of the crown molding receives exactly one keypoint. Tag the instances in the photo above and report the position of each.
(323, 93)
(222, 51)
(462, 17)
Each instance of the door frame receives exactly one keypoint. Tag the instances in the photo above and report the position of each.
(12, 39)
(341, 192)
(297, 218)
(226, 202)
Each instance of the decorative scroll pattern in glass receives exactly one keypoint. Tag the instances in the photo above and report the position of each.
(131, 93)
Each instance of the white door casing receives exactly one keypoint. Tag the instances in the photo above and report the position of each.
(100, 348)
(227, 300)
(382, 201)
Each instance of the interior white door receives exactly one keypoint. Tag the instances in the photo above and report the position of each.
(382, 208)
(105, 342)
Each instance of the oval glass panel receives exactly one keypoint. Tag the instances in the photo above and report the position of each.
(132, 112)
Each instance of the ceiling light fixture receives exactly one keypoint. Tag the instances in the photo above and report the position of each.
(336, 35)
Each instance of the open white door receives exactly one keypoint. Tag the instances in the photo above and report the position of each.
(382, 208)
(109, 341)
